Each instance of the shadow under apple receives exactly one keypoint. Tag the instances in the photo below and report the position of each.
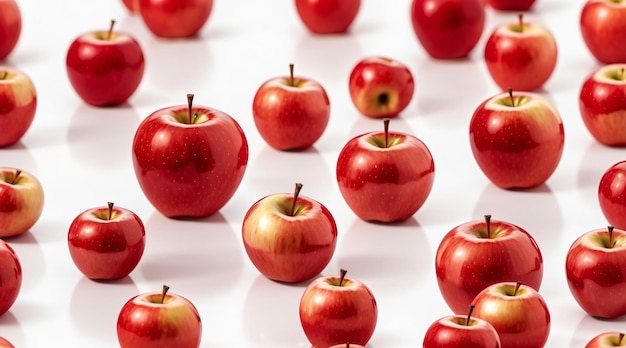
(11, 329)
(596, 160)
(589, 327)
(18, 156)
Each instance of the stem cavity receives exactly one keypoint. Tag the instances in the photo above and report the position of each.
(5, 74)
(17, 175)
(296, 193)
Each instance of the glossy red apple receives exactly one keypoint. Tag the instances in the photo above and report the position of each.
(385, 176)
(521, 55)
(189, 160)
(291, 113)
(18, 104)
(159, 320)
(511, 5)
(105, 67)
(335, 310)
(448, 29)
(602, 104)
(603, 28)
(21, 201)
(106, 242)
(606, 340)
(461, 331)
(517, 139)
(612, 195)
(518, 313)
(175, 18)
(10, 26)
(381, 87)
(10, 277)
(327, 16)
(476, 254)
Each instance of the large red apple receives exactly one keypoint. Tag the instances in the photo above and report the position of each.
(159, 320)
(10, 26)
(606, 340)
(602, 103)
(603, 28)
(289, 238)
(385, 176)
(106, 242)
(335, 310)
(21, 201)
(521, 55)
(381, 87)
(189, 160)
(448, 29)
(327, 16)
(511, 5)
(461, 331)
(476, 254)
(518, 313)
(18, 104)
(105, 67)
(10, 276)
(175, 18)
(595, 266)
(291, 113)
(517, 139)
(612, 195)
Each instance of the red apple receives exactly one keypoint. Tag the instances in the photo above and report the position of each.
(602, 103)
(106, 242)
(10, 26)
(189, 160)
(595, 265)
(461, 331)
(21, 201)
(175, 18)
(476, 254)
(517, 312)
(521, 56)
(289, 238)
(448, 29)
(511, 5)
(18, 104)
(131, 5)
(517, 139)
(159, 320)
(603, 28)
(381, 87)
(105, 67)
(606, 340)
(10, 276)
(385, 176)
(4, 343)
(612, 195)
(291, 113)
(327, 16)
(335, 310)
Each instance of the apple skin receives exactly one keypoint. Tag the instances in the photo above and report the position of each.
(327, 16)
(453, 331)
(144, 322)
(4, 343)
(606, 340)
(448, 29)
(612, 196)
(18, 105)
(10, 27)
(521, 57)
(381, 183)
(521, 319)
(186, 169)
(469, 259)
(106, 244)
(602, 104)
(381, 87)
(175, 18)
(131, 5)
(511, 5)
(335, 312)
(291, 113)
(103, 70)
(603, 28)
(21, 201)
(517, 144)
(289, 248)
(10, 277)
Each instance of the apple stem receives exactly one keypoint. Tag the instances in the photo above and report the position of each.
(291, 82)
(517, 286)
(510, 90)
(190, 105)
(621, 74)
(110, 29)
(110, 210)
(342, 276)
(164, 292)
(488, 223)
(611, 242)
(621, 338)
(6, 73)
(17, 174)
(520, 18)
(469, 314)
(386, 127)
(296, 193)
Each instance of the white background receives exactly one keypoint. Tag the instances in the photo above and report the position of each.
(82, 156)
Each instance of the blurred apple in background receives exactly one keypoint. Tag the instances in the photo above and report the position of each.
(603, 28)
(381, 87)
(131, 5)
(517, 139)
(511, 5)
(175, 18)
(606, 340)
(4, 343)
(189, 160)
(461, 331)
(612, 195)
(327, 16)
(10, 276)
(105, 67)
(18, 105)
(289, 238)
(10, 26)
(291, 113)
(21, 201)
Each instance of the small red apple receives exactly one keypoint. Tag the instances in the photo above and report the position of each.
(612, 195)
(175, 18)
(603, 28)
(10, 277)
(18, 104)
(511, 5)
(10, 26)
(461, 331)
(327, 16)
(21, 201)
(607, 339)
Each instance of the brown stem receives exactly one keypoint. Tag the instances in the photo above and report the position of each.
(611, 241)
(488, 223)
(520, 20)
(517, 286)
(291, 82)
(296, 193)
(164, 292)
(6, 73)
(469, 315)
(110, 29)
(190, 106)
(621, 74)
(621, 338)
(386, 126)
(17, 175)
(110, 210)
(343, 276)
(511, 96)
